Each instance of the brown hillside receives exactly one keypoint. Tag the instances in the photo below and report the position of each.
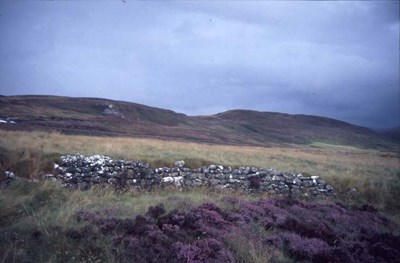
(242, 127)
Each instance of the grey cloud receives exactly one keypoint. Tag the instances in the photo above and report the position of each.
(336, 59)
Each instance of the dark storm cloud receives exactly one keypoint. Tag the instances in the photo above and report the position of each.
(336, 59)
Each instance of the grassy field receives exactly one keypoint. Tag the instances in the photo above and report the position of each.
(375, 174)
(35, 218)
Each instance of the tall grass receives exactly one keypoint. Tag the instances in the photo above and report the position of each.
(375, 174)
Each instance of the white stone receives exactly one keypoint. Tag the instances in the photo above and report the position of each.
(178, 180)
(314, 179)
(232, 181)
(10, 174)
(168, 179)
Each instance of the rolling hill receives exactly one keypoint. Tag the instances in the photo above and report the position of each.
(94, 116)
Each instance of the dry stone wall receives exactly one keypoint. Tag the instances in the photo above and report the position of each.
(83, 172)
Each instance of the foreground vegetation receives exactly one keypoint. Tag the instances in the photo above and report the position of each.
(36, 217)
(43, 222)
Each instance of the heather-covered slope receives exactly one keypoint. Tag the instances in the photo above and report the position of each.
(240, 127)
(207, 233)
(41, 222)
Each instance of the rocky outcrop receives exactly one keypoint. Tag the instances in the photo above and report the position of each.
(83, 172)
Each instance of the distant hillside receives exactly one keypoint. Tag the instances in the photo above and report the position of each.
(392, 134)
(94, 116)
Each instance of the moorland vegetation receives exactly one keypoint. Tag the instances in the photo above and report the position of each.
(43, 222)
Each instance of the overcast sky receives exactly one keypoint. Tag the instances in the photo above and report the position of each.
(334, 59)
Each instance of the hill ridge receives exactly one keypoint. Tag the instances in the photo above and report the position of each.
(98, 116)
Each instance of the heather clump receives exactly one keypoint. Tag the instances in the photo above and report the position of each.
(210, 233)
(330, 233)
(193, 236)
(203, 250)
(307, 248)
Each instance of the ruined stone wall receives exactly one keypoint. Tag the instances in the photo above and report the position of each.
(84, 172)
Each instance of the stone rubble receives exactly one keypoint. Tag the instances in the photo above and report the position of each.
(83, 172)
(110, 109)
